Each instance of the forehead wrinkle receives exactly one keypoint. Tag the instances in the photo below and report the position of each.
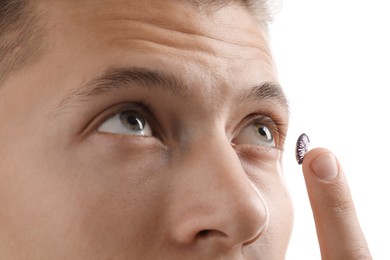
(228, 43)
(211, 34)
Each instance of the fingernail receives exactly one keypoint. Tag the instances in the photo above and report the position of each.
(325, 167)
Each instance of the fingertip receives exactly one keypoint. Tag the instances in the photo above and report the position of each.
(322, 163)
(313, 153)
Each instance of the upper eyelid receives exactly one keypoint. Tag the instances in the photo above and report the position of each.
(267, 121)
(257, 118)
(116, 111)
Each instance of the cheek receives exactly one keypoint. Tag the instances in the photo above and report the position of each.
(274, 242)
(281, 216)
(269, 179)
(119, 193)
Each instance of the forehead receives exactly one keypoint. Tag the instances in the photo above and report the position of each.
(163, 30)
(177, 15)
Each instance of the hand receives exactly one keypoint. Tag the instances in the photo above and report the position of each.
(338, 230)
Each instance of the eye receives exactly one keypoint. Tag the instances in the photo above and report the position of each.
(127, 122)
(258, 133)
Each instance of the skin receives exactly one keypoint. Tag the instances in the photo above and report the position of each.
(199, 187)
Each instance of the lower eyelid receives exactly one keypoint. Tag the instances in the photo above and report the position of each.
(262, 154)
(130, 143)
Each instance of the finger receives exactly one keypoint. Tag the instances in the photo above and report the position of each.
(338, 229)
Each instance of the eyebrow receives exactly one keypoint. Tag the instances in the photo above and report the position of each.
(114, 79)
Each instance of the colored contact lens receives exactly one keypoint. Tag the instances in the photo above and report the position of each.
(302, 146)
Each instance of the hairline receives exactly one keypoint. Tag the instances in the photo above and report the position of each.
(21, 38)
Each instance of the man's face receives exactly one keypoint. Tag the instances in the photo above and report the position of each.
(148, 130)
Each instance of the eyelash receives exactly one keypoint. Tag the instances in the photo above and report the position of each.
(269, 121)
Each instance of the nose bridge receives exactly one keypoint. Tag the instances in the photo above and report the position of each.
(218, 201)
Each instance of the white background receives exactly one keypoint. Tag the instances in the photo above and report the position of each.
(333, 60)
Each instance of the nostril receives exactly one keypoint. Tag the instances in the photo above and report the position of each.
(209, 233)
(203, 233)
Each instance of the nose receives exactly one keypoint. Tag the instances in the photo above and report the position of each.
(214, 202)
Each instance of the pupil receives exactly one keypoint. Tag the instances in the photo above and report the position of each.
(262, 131)
(265, 133)
(133, 121)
